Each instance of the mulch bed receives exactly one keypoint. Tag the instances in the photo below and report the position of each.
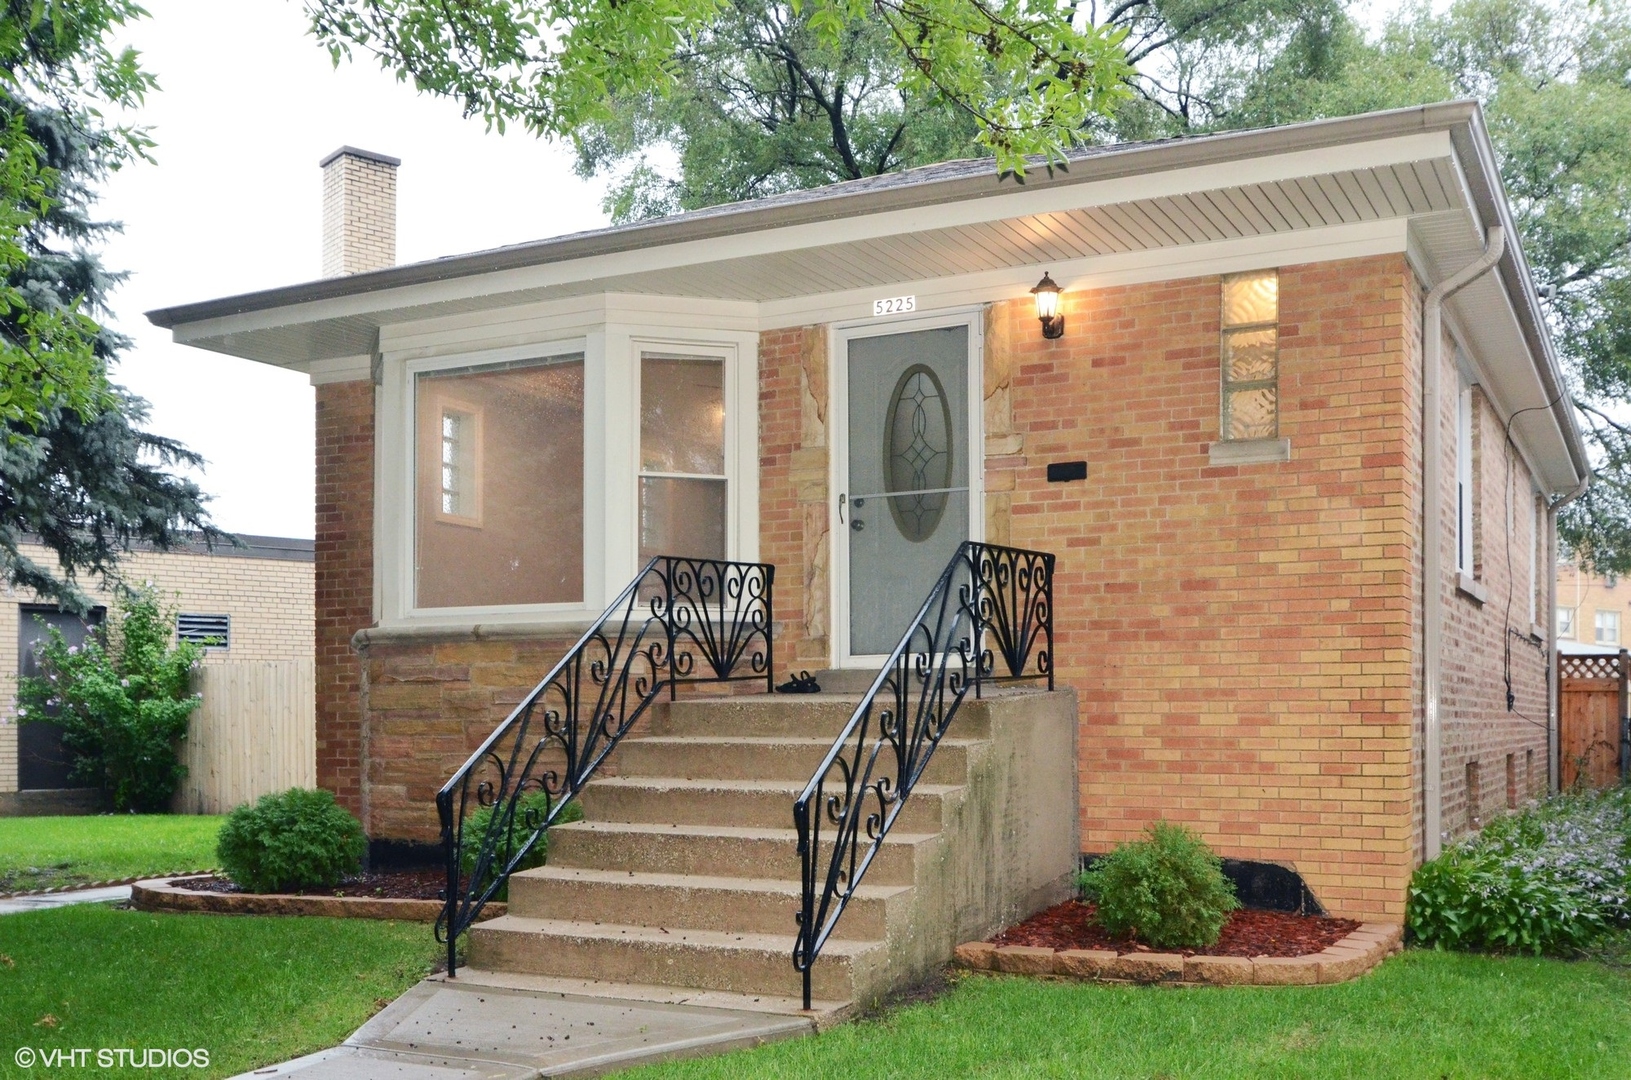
(384, 885)
(1247, 933)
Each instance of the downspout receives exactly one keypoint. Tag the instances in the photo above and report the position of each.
(1432, 533)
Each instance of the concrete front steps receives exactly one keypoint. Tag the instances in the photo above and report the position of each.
(685, 871)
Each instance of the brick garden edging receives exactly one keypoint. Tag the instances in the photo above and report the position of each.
(162, 894)
(1347, 959)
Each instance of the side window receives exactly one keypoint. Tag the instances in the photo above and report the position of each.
(1608, 628)
(684, 493)
(1466, 490)
(1251, 355)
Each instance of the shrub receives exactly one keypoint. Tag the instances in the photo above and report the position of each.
(1553, 878)
(1168, 889)
(535, 806)
(296, 839)
(122, 703)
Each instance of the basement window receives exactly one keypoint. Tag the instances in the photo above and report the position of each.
(210, 631)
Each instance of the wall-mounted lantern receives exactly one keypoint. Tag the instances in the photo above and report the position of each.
(1047, 307)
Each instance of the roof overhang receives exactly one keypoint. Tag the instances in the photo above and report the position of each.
(1427, 173)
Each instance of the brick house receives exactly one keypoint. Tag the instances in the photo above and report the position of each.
(1287, 583)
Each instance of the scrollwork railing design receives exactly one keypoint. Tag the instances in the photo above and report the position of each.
(988, 619)
(680, 620)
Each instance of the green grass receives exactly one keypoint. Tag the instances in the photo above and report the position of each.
(45, 852)
(1423, 1014)
(251, 991)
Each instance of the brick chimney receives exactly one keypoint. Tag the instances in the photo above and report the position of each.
(359, 211)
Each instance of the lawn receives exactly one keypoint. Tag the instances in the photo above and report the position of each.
(1423, 1014)
(43, 852)
(251, 991)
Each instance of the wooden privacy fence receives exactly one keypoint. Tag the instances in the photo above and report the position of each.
(255, 732)
(1593, 736)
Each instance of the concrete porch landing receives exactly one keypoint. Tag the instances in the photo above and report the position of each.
(501, 1026)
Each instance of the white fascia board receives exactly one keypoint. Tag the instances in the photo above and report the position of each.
(339, 369)
(1328, 244)
(548, 320)
(1020, 203)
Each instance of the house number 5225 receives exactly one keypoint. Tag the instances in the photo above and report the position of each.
(894, 305)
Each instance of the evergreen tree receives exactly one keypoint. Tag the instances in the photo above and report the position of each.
(76, 468)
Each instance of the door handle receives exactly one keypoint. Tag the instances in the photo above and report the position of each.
(841, 499)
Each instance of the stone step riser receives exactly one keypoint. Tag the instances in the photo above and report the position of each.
(672, 906)
(757, 761)
(722, 856)
(742, 971)
(640, 805)
(785, 715)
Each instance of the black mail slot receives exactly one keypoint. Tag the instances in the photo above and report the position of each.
(1061, 472)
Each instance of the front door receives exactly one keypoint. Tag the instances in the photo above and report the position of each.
(904, 502)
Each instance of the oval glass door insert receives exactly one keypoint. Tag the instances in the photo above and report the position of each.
(917, 453)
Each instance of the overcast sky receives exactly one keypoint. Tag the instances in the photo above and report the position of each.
(248, 105)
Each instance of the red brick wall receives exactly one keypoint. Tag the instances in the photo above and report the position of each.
(344, 580)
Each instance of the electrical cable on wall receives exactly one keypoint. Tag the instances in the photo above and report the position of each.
(1511, 631)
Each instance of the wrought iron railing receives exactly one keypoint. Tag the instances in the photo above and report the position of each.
(680, 620)
(989, 618)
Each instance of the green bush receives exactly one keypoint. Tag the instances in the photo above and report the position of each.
(1168, 890)
(122, 703)
(1551, 879)
(536, 804)
(296, 839)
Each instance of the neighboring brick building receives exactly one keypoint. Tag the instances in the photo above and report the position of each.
(258, 597)
(1593, 610)
(1276, 633)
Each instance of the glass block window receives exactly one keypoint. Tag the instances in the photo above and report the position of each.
(1251, 355)
(683, 488)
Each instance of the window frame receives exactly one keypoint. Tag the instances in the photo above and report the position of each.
(611, 351)
(1226, 386)
(1566, 622)
(1466, 505)
(640, 351)
(1598, 619)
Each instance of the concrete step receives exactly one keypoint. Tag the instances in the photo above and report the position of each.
(809, 715)
(704, 959)
(759, 757)
(674, 901)
(717, 850)
(765, 804)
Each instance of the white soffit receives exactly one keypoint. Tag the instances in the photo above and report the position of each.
(879, 250)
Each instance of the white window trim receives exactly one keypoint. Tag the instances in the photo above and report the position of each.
(1464, 501)
(611, 446)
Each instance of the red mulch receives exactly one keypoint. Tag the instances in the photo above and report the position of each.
(385, 884)
(1247, 933)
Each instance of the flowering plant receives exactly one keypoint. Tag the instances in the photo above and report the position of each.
(1553, 878)
(122, 703)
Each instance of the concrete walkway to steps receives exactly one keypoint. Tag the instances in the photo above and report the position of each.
(503, 1026)
(41, 901)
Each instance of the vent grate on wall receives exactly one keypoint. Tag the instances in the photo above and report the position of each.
(211, 631)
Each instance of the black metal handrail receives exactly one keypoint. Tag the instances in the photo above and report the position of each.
(990, 603)
(679, 620)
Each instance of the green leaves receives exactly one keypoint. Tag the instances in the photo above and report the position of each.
(1168, 890)
(1029, 76)
(122, 704)
(291, 840)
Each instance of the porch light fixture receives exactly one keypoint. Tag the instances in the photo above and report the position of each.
(1047, 307)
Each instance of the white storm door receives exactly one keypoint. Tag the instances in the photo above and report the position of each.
(905, 501)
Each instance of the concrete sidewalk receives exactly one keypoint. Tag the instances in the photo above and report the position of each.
(485, 1026)
(42, 901)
